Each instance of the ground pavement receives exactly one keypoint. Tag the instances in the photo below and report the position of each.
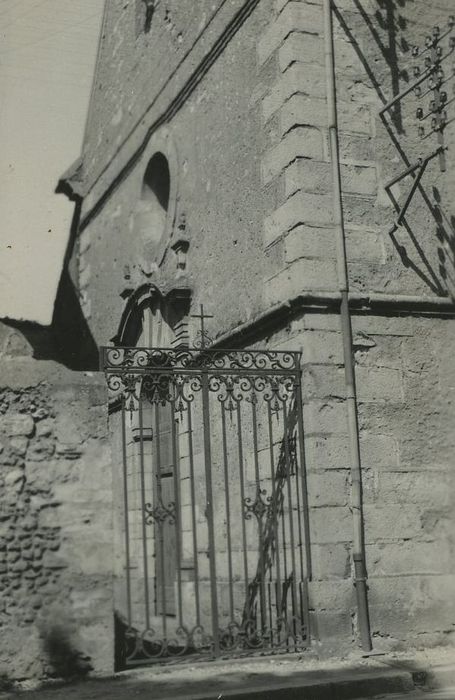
(392, 676)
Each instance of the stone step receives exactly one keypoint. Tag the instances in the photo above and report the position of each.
(317, 686)
(441, 676)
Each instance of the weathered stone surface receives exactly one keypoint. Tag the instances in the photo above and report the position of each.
(309, 242)
(31, 548)
(324, 490)
(301, 47)
(301, 275)
(302, 110)
(301, 208)
(330, 525)
(298, 79)
(18, 424)
(252, 172)
(302, 142)
(295, 16)
(331, 595)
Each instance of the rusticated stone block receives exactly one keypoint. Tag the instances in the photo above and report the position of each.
(327, 452)
(53, 561)
(295, 16)
(301, 142)
(308, 176)
(327, 625)
(309, 242)
(322, 347)
(302, 275)
(302, 110)
(301, 208)
(301, 47)
(357, 148)
(328, 488)
(331, 525)
(404, 558)
(297, 79)
(331, 561)
(18, 424)
(365, 245)
(323, 381)
(358, 179)
(379, 384)
(325, 417)
(379, 451)
(331, 595)
(355, 117)
(393, 522)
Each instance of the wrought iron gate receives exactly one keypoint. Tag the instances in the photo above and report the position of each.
(212, 516)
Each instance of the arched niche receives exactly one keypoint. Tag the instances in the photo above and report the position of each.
(154, 319)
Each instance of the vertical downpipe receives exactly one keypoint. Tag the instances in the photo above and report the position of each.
(358, 553)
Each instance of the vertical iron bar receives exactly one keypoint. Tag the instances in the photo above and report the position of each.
(278, 610)
(259, 517)
(193, 515)
(306, 518)
(275, 507)
(228, 512)
(283, 519)
(144, 526)
(297, 490)
(177, 514)
(209, 509)
(290, 506)
(126, 506)
(269, 607)
(242, 498)
(159, 575)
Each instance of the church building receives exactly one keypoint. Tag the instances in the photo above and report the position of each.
(237, 437)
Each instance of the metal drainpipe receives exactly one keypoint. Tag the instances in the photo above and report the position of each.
(358, 554)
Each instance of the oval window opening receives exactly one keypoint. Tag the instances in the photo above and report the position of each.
(157, 181)
(154, 203)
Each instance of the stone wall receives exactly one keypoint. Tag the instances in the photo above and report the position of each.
(56, 611)
(405, 379)
(373, 63)
(248, 148)
(214, 144)
(405, 410)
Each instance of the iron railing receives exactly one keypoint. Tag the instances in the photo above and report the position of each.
(211, 502)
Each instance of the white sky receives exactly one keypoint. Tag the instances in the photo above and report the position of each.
(47, 56)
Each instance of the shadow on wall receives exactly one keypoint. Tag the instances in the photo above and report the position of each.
(120, 634)
(65, 660)
(68, 339)
(387, 28)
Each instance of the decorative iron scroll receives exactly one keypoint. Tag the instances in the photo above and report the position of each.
(215, 504)
(160, 513)
(179, 388)
(235, 638)
(141, 360)
(174, 375)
